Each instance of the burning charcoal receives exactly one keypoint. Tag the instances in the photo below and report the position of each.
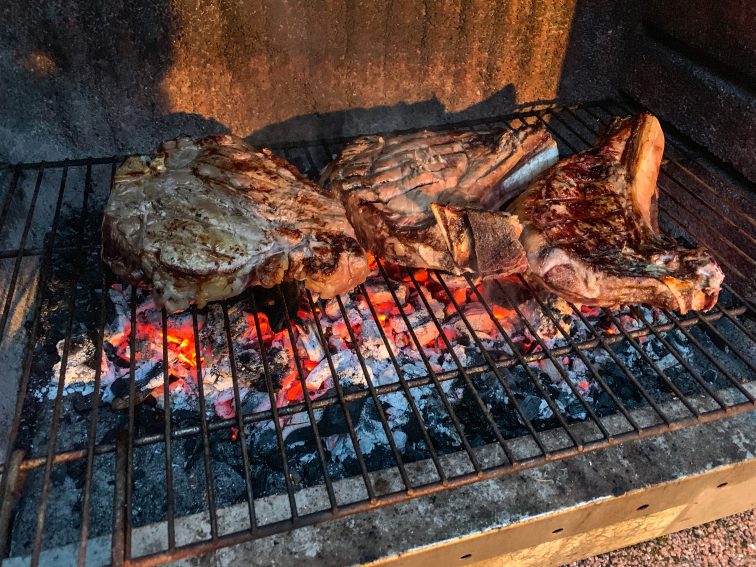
(479, 320)
(308, 341)
(81, 364)
(373, 346)
(123, 403)
(269, 303)
(379, 293)
(421, 323)
(458, 287)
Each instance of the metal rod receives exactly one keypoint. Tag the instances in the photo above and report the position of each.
(120, 512)
(92, 435)
(639, 349)
(378, 406)
(199, 547)
(347, 416)
(9, 197)
(265, 415)
(8, 495)
(308, 399)
(588, 364)
(36, 309)
(516, 352)
(502, 381)
(471, 387)
(203, 426)
(55, 421)
(550, 354)
(170, 499)
(405, 388)
(708, 355)
(696, 376)
(274, 412)
(622, 366)
(241, 435)
(431, 373)
(130, 424)
(11, 289)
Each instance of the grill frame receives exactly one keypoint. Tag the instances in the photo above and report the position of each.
(569, 118)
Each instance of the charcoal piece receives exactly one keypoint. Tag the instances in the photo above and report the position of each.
(574, 410)
(82, 404)
(269, 302)
(184, 418)
(535, 408)
(603, 404)
(333, 421)
(621, 385)
(120, 388)
(76, 471)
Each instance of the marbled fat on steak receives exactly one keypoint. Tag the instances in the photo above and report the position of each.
(388, 184)
(201, 220)
(591, 232)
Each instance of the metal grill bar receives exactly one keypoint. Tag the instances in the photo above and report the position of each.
(373, 395)
(594, 371)
(471, 387)
(274, 413)
(169, 512)
(431, 373)
(405, 388)
(17, 265)
(240, 424)
(574, 127)
(520, 359)
(342, 402)
(55, 424)
(308, 403)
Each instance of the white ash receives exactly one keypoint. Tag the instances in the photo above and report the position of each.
(374, 340)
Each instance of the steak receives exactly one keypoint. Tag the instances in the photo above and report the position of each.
(201, 220)
(591, 232)
(387, 186)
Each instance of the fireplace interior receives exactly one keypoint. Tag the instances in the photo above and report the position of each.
(124, 424)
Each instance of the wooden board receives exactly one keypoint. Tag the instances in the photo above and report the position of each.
(602, 525)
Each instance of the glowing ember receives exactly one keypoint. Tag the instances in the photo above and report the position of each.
(400, 316)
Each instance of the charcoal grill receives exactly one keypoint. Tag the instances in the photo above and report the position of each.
(61, 243)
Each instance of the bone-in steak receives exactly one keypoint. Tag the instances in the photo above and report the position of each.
(591, 232)
(201, 220)
(387, 185)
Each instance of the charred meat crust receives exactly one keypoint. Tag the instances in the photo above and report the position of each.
(200, 220)
(387, 185)
(590, 227)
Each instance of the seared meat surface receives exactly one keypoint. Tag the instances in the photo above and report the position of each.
(387, 185)
(201, 220)
(591, 232)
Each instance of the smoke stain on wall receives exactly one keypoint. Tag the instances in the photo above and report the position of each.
(252, 64)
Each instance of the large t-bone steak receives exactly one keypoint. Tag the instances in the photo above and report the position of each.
(387, 186)
(591, 232)
(201, 220)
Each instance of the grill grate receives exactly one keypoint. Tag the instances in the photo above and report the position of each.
(59, 241)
